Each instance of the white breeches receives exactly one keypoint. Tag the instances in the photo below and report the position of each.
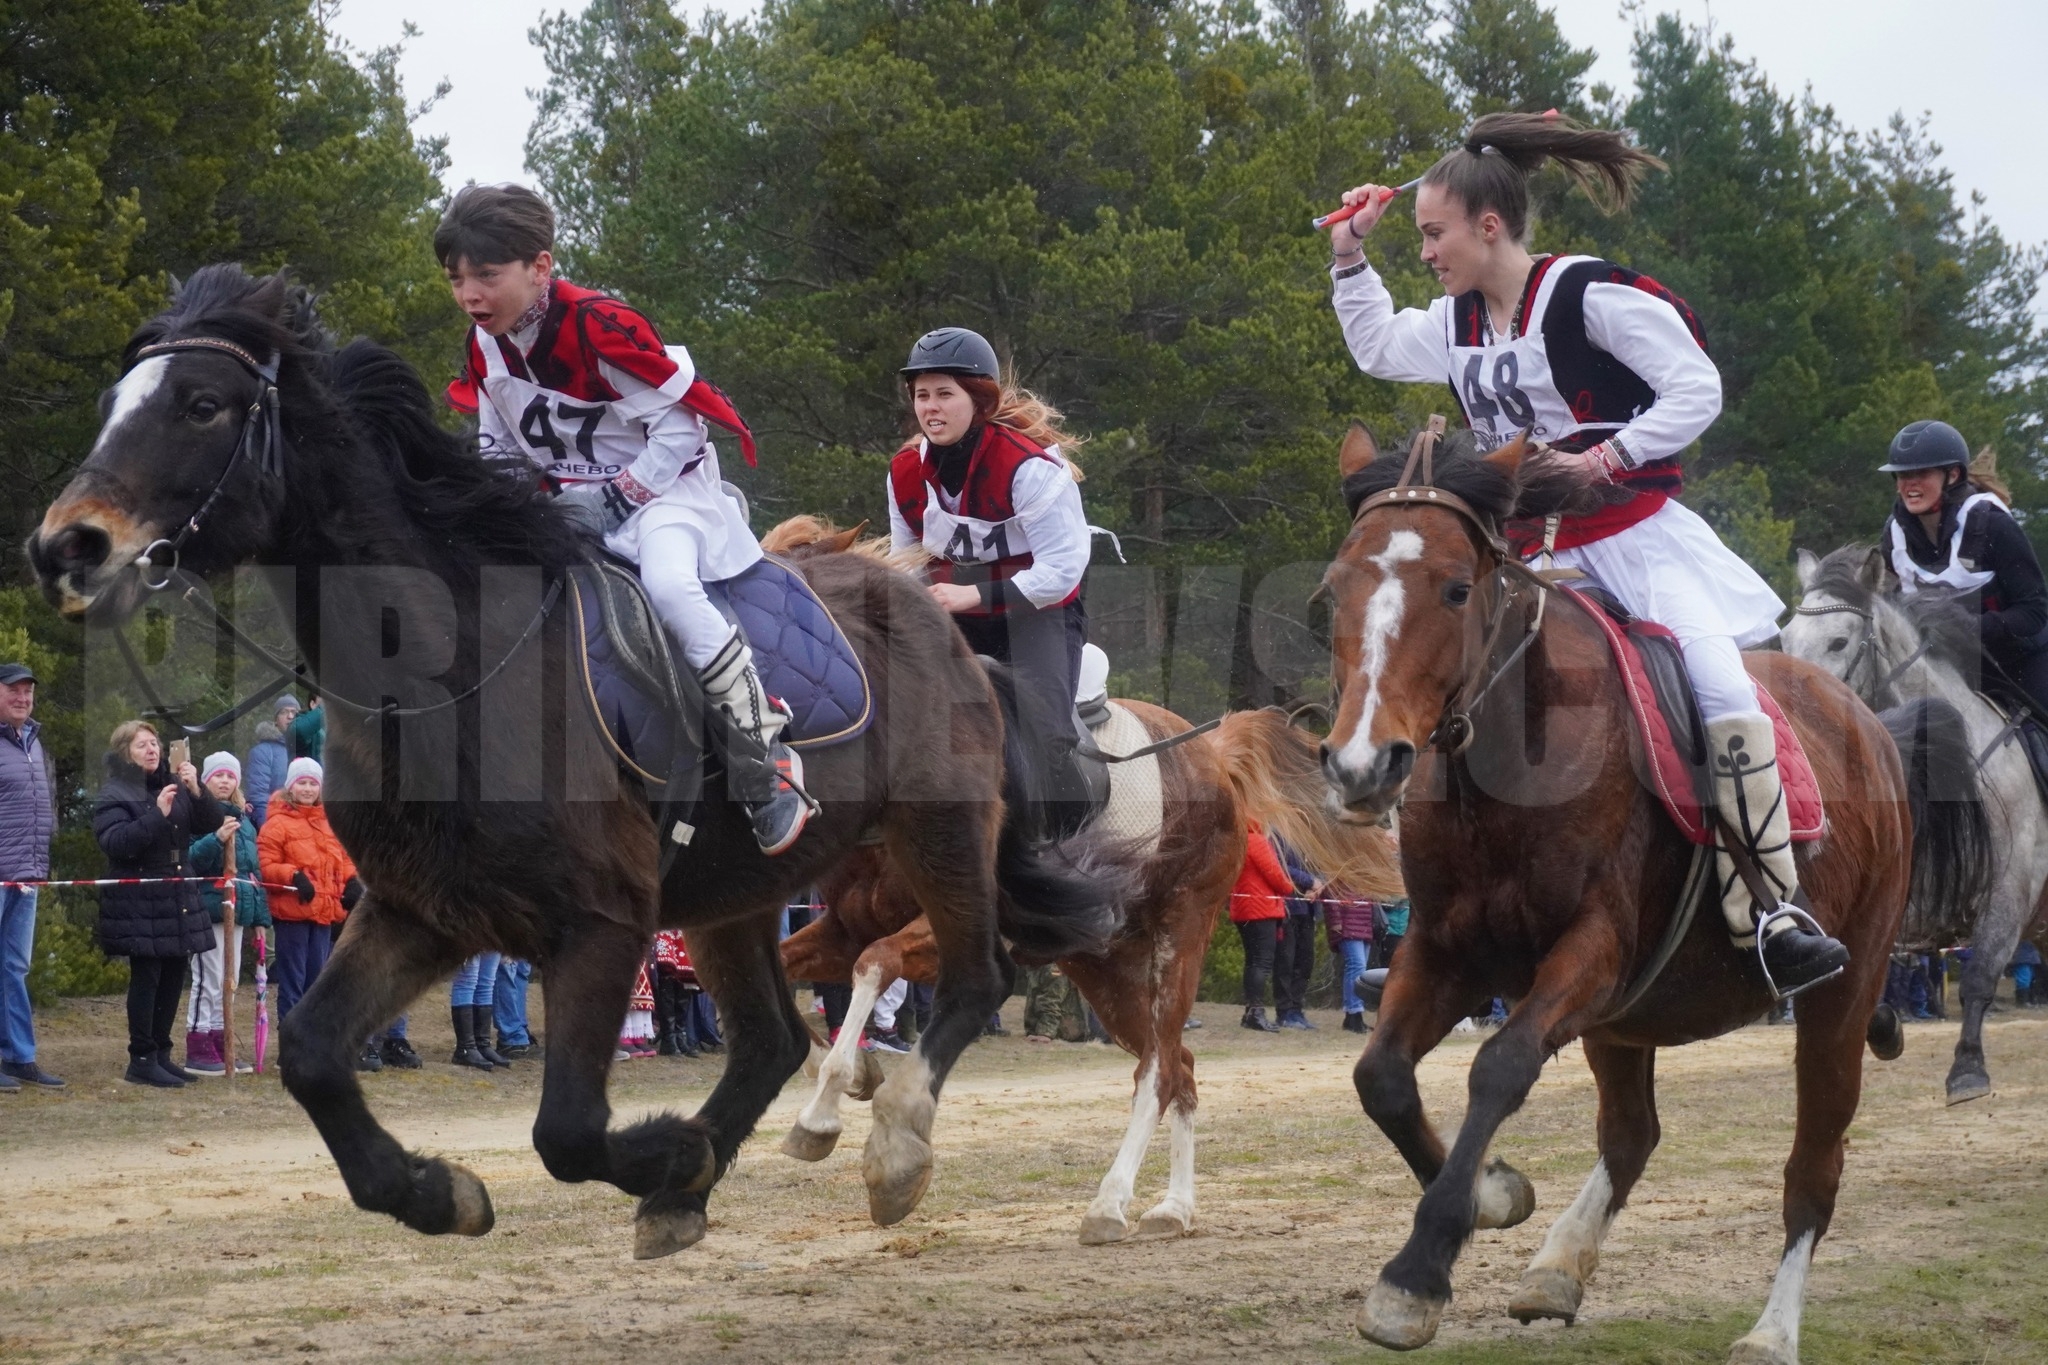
(1672, 569)
(669, 561)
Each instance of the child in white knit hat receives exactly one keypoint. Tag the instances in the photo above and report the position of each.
(205, 1023)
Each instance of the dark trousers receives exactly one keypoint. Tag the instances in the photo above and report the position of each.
(838, 997)
(1260, 937)
(1295, 958)
(302, 949)
(1384, 947)
(154, 984)
(1043, 646)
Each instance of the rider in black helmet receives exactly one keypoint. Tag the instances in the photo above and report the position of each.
(1951, 530)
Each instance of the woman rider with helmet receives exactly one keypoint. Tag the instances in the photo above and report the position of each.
(1611, 370)
(986, 488)
(1948, 530)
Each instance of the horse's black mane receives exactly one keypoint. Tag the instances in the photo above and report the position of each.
(1942, 618)
(1540, 488)
(443, 487)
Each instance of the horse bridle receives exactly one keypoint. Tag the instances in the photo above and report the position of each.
(262, 423)
(259, 424)
(1869, 647)
(1455, 730)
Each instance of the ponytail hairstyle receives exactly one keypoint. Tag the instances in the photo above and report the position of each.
(1492, 169)
(1007, 404)
(1983, 476)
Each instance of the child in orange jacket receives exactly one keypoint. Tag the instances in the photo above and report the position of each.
(299, 849)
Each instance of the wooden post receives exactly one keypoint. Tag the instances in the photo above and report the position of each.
(230, 958)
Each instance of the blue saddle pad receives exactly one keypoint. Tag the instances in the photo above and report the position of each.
(640, 691)
(803, 657)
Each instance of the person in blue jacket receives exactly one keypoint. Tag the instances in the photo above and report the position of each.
(269, 756)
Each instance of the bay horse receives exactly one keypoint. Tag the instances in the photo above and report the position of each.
(1543, 871)
(237, 434)
(1256, 765)
(1852, 622)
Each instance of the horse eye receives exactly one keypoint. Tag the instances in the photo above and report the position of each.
(1836, 646)
(1458, 594)
(204, 410)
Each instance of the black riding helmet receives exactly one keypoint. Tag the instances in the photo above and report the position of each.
(1926, 445)
(953, 350)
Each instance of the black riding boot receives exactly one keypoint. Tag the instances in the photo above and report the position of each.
(480, 1027)
(465, 1039)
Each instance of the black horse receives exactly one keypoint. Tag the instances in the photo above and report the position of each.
(238, 434)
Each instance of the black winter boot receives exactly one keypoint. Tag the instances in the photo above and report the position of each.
(178, 1073)
(398, 1053)
(1255, 1019)
(480, 1028)
(465, 1039)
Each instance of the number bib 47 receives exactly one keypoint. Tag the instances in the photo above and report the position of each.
(571, 439)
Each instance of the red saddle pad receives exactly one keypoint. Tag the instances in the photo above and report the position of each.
(1667, 772)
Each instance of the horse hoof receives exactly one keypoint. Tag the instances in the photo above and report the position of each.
(664, 1234)
(808, 1144)
(1963, 1089)
(1100, 1229)
(473, 1215)
(891, 1203)
(1763, 1348)
(1505, 1196)
(867, 1077)
(1397, 1319)
(1546, 1292)
(1166, 1220)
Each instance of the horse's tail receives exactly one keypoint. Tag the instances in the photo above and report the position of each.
(1056, 896)
(1952, 868)
(1273, 767)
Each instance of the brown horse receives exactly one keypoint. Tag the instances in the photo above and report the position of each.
(1256, 765)
(238, 434)
(1543, 871)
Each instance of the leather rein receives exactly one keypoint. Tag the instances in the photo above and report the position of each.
(1416, 488)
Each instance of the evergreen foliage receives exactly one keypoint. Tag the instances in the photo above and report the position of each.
(1117, 194)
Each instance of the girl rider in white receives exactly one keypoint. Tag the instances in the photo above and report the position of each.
(580, 384)
(1608, 368)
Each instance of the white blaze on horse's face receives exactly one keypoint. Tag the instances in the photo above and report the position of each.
(133, 393)
(1359, 763)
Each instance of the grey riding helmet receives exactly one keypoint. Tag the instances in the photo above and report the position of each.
(1926, 445)
(953, 350)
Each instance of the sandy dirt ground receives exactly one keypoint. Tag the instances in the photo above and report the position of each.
(209, 1224)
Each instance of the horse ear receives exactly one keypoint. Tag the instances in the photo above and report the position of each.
(842, 542)
(1871, 572)
(1359, 450)
(269, 297)
(1809, 566)
(1508, 459)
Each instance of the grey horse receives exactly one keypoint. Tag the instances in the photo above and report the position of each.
(1852, 621)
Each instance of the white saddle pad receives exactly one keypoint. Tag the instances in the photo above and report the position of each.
(1136, 806)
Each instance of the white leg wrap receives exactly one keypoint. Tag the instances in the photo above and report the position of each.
(1742, 754)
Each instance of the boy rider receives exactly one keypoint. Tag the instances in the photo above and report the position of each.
(581, 384)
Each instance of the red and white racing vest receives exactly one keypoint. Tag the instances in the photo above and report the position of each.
(979, 538)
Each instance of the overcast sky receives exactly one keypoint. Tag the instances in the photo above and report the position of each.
(1975, 70)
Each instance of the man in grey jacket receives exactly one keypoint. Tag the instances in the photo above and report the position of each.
(28, 821)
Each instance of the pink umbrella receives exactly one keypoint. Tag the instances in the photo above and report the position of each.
(262, 1042)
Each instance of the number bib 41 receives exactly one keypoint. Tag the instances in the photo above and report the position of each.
(966, 540)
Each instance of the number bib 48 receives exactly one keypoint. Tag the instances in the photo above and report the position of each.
(1506, 388)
